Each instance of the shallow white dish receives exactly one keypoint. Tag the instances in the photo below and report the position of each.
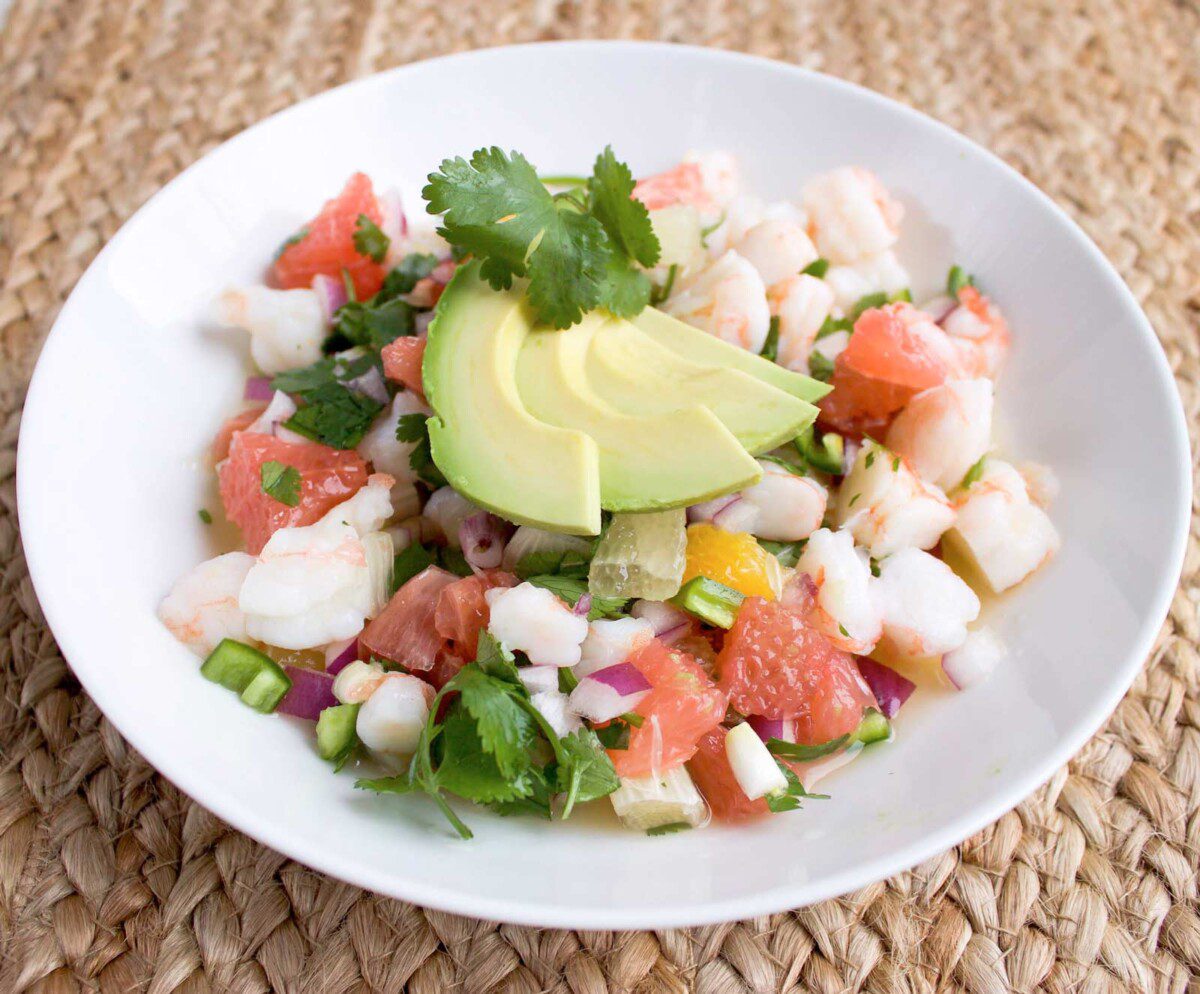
(132, 385)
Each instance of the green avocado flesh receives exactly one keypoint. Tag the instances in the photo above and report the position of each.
(546, 427)
(487, 445)
(681, 456)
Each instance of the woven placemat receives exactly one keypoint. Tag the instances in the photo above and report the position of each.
(112, 880)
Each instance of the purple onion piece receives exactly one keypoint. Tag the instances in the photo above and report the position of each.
(331, 292)
(258, 388)
(624, 678)
(724, 518)
(891, 690)
(939, 308)
(343, 659)
(711, 508)
(483, 537)
(773, 728)
(583, 605)
(422, 322)
(311, 692)
(443, 271)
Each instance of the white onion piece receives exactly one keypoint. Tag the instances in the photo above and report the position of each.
(482, 537)
(371, 384)
(974, 660)
(609, 692)
(422, 322)
(393, 223)
(752, 764)
(538, 679)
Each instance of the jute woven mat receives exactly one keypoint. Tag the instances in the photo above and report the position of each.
(112, 880)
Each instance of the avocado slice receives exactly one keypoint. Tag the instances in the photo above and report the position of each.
(680, 456)
(701, 347)
(487, 445)
(629, 369)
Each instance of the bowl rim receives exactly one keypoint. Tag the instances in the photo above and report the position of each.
(274, 834)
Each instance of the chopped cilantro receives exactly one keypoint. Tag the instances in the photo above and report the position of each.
(870, 460)
(770, 349)
(903, 294)
(854, 500)
(820, 366)
(788, 553)
(832, 325)
(705, 232)
(408, 562)
(806, 753)
(875, 571)
(817, 268)
(281, 482)
(791, 797)
(413, 268)
(842, 629)
(669, 829)
(870, 301)
(587, 773)
(974, 474)
(958, 278)
(571, 589)
(561, 563)
(567, 680)
(415, 428)
(614, 735)
(369, 239)
(374, 323)
(205, 516)
(334, 415)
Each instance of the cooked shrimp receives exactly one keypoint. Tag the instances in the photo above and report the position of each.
(999, 529)
(802, 303)
(532, 620)
(368, 509)
(844, 605)
(979, 334)
(202, 608)
(880, 273)
(777, 249)
(311, 585)
(728, 300)
(926, 607)
(943, 431)
(850, 214)
(393, 716)
(705, 181)
(1041, 482)
(787, 507)
(887, 507)
(744, 212)
(287, 327)
(357, 681)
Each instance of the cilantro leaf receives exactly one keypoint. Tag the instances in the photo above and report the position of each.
(503, 726)
(561, 563)
(571, 589)
(974, 474)
(614, 735)
(469, 770)
(374, 323)
(496, 661)
(542, 782)
(956, 279)
(832, 325)
(806, 753)
(280, 481)
(369, 239)
(626, 291)
(820, 366)
(413, 268)
(586, 772)
(408, 562)
(817, 268)
(205, 515)
(414, 428)
(790, 799)
(569, 269)
(786, 552)
(334, 415)
(610, 193)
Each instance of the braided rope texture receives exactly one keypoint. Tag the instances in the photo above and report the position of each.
(111, 880)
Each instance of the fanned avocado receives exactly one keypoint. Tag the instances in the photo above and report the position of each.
(487, 445)
(678, 456)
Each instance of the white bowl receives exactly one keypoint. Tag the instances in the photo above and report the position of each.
(132, 385)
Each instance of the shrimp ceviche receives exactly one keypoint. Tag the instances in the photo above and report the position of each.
(647, 490)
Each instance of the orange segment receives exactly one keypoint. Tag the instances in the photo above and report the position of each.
(732, 558)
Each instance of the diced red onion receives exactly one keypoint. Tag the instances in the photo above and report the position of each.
(711, 508)
(393, 224)
(422, 322)
(773, 728)
(443, 271)
(583, 605)
(607, 693)
(311, 692)
(482, 537)
(849, 455)
(339, 655)
(331, 292)
(736, 516)
(371, 384)
(891, 690)
(258, 388)
(669, 623)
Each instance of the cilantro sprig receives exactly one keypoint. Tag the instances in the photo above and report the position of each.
(579, 248)
(485, 748)
(281, 482)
